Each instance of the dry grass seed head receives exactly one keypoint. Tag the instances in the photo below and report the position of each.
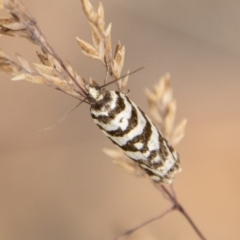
(163, 107)
(123, 162)
(61, 76)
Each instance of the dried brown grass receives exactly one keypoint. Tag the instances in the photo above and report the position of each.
(60, 75)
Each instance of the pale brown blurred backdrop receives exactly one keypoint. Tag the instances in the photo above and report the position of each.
(58, 184)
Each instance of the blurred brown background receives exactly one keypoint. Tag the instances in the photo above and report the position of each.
(58, 184)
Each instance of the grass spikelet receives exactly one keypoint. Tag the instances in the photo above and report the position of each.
(57, 73)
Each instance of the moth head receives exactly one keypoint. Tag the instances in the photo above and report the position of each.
(95, 94)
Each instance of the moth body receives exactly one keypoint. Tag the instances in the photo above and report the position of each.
(127, 126)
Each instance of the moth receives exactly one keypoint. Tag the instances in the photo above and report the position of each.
(120, 119)
(127, 126)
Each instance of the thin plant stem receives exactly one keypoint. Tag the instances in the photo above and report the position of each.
(179, 207)
(130, 231)
(35, 35)
(50, 50)
(176, 206)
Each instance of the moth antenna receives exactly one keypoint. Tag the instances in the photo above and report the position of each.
(115, 80)
(63, 117)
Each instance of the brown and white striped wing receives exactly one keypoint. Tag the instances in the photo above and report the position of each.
(129, 128)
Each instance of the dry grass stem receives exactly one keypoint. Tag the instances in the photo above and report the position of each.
(60, 75)
(101, 49)
(123, 162)
(131, 231)
(163, 107)
(52, 70)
